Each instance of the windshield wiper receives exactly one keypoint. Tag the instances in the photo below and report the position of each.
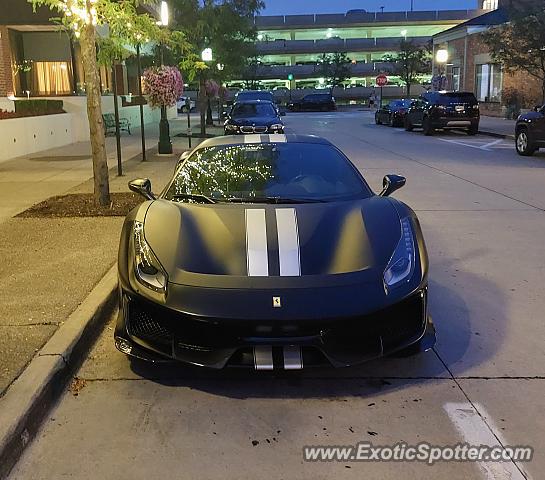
(275, 200)
(194, 196)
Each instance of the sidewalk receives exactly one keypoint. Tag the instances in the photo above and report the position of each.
(497, 126)
(49, 265)
(25, 181)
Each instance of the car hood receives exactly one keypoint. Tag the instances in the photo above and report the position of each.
(254, 121)
(207, 244)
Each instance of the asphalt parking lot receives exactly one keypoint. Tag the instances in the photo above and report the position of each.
(482, 210)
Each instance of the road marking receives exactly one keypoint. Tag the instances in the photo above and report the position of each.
(288, 242)
(257, 255)
(476, 431)
(487, 147)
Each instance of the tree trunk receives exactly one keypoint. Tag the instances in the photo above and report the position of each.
(94, 114)
(209, 119)
(543, 91)
(408, 89)
(202, 104)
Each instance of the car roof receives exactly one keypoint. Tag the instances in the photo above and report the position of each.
(253, 92)
(253, 102)
(264, 139)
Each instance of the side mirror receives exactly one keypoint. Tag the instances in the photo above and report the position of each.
(224, 114)
(143, 187)
(282, 114)
(391, 183)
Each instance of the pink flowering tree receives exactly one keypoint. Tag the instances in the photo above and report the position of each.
(163, 85)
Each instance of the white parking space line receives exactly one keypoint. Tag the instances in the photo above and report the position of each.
(487, 147)
(476, 431)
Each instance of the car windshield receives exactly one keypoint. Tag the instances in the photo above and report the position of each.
(400, 104)
(267, 173)
(253, 110)
(255, 96)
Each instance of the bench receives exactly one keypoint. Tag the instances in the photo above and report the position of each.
(109, 123)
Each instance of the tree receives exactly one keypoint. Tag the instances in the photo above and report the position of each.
(519, 45)
(227, 28)
(334, 68)
(410, 63)
(121, 20)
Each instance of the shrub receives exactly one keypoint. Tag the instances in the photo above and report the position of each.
(38, 106)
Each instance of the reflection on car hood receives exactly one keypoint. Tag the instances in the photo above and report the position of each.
(326, 238)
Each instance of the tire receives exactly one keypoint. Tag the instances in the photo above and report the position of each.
(377, 120)
(523, 143)
(473, 130)
(427, 128)
(392, 122)
(408, 125)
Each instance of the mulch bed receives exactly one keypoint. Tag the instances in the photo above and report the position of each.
(83, 205)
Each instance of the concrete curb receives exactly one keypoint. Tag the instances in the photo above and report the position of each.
(497, 135)
(28, 400)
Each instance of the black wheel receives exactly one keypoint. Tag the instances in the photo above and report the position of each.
(392, 121)
(377, 119)
(523, 143)
(473, 130)
(408, 124)
(427, 129)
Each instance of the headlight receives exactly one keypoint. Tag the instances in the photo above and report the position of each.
(401, 266)
(276, 127)
(147, 268)
(231, 128)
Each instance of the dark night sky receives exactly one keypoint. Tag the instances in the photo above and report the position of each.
(287, 7)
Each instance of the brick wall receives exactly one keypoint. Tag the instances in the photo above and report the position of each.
(477, 50)
(6, 81)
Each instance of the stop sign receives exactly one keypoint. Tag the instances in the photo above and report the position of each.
(382, 80)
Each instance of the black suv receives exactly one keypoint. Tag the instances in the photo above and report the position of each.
(314, 101)
(530, 131)
(444, 110)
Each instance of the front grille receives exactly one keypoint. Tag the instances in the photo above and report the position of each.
(144, 325)
(253, 129)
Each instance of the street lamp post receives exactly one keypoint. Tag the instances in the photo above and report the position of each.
(206, 56)
(140, 101)
(165, 145)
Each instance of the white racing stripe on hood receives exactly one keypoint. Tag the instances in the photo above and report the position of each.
(252, 138)
(278, 138)
(257, 255)
(288, 242)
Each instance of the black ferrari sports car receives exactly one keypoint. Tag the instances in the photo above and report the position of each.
(271, 251)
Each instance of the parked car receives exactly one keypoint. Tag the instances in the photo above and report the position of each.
(393, 113)
(432, 110)
(530, 131)
(246, 95)
(271, 252)
(314, 102)
(265, 95)
(254, 116)
(181, 104)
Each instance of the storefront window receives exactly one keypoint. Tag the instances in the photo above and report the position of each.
(489, 82)
(455, 78)
(51, 78)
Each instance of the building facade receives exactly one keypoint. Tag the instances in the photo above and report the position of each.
(470, 66)
(291, 45)
(38, 59)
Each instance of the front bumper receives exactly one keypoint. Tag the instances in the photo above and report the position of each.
(456, 122)
(155, 333)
